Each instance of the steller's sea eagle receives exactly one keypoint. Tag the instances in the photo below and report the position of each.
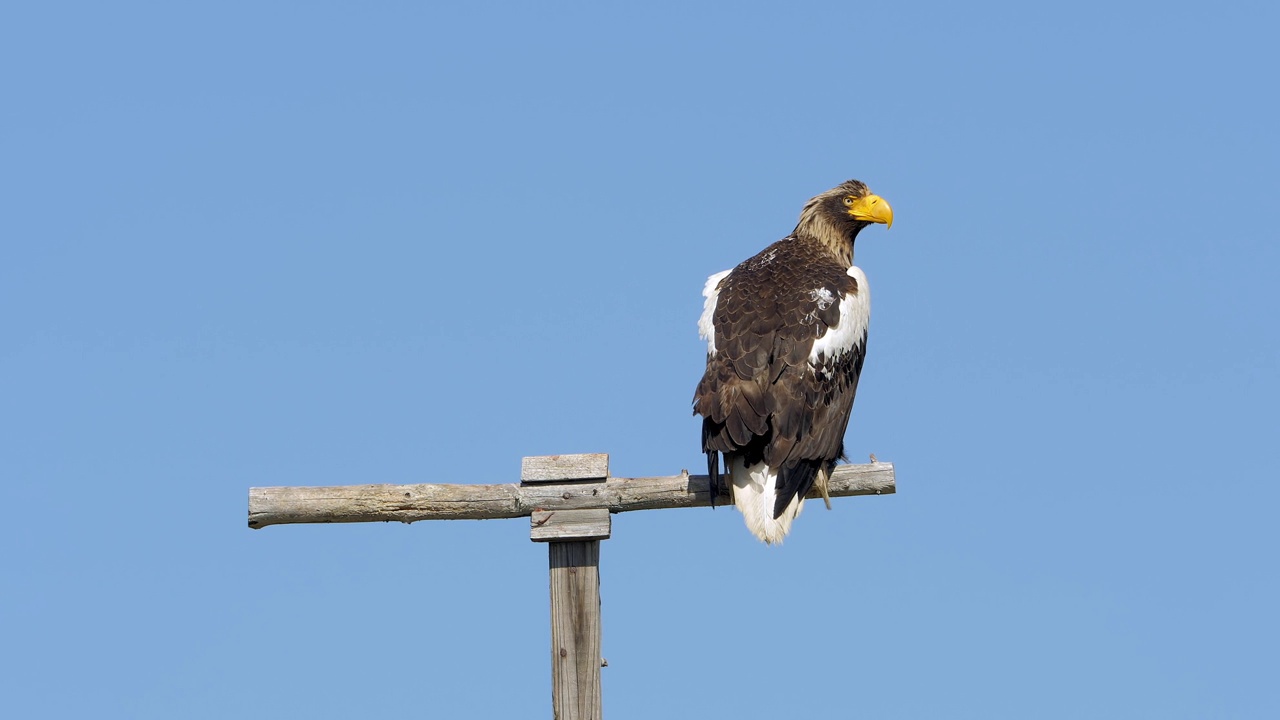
(786, 334)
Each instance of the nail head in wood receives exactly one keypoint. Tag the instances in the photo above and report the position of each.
(553, 525)
(561, 468)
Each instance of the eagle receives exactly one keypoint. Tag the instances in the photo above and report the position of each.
(786, 334)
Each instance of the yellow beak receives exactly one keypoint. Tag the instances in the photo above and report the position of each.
(872, 208)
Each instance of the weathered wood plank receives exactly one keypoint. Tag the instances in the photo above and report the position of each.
(559, 468)
(575, 629)
(410, 503)
(548, 525)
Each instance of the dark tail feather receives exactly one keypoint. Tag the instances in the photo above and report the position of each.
(713, 473)
(794, 480)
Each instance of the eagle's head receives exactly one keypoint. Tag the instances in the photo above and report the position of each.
(836, 216)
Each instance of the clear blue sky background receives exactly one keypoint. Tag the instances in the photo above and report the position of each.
(252, 244)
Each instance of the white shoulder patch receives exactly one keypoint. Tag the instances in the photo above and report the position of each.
(855, 315)
(706, 323)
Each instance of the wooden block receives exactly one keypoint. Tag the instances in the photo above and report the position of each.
(561, 468)
(551, 525)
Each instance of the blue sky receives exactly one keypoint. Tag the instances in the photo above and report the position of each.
(249, 244)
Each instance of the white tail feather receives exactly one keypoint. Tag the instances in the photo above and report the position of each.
(755, 490)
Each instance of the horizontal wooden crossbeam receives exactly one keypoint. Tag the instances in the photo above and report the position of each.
(411, 503)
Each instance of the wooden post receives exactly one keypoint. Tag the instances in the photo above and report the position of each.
(573, 550)
(575, 630)
(452, 501)
(568, 500)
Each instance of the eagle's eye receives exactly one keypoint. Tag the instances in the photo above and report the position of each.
(848, 200)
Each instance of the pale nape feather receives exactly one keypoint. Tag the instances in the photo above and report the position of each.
(755, 489)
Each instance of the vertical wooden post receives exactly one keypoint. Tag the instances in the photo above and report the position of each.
(575, 630)
(573, 551)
